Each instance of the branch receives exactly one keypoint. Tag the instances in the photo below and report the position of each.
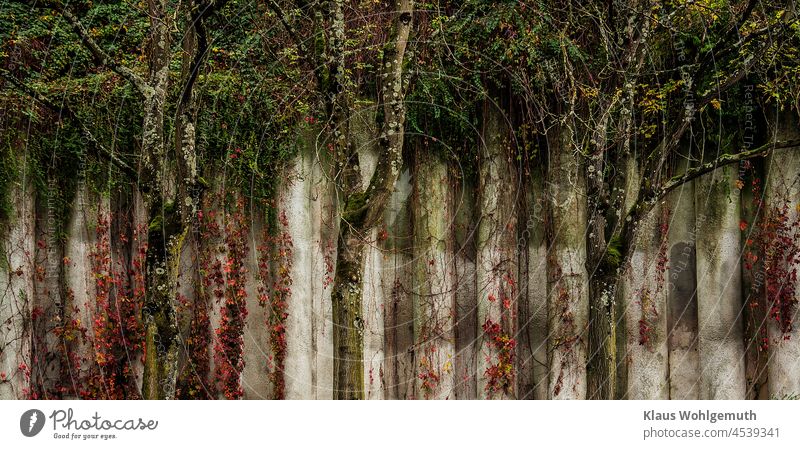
(66, 112)
(671, 140)
(273, 5)
(198, 15)
(100, 55)
(725, 159)
(731, 33)
(392, 95)
(645, 202)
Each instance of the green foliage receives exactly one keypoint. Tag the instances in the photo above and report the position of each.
(613, 257)
(8, 175)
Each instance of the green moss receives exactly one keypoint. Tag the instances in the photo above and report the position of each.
(157, 222)
(613, 257)
(8, 175)
(150, 376)
(355, 209)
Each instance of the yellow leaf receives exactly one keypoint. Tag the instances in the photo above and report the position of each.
(447, 367)
(715, 104)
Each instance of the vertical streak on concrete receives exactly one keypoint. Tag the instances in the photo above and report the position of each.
(719, 296)
(644, 293)
(567, 279)
(298, 363)
(257, 350)
(215, 250)
(783, 191)
(17, 293)
(434, 288)
(466, 332)
(753, 289)
(532, 358)
(47, 282)
(396, 281)
(325, 231)
(79, 285)
(645, 314)
(681, 288)
(497, 273)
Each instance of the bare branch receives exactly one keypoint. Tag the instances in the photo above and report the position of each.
(723, 160)
(646, 200)
(66, 112)
(273, 5)
(100, 55)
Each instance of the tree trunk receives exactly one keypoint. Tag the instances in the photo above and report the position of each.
(348, 335)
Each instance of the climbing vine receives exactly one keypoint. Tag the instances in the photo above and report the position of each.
(647, 304)
(771, 255)
(501, 372)
(229, 344)
(276, 298)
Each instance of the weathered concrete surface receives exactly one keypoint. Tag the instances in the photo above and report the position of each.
(645, 301)
(323, 265)
(497, 264)
(467, 329)
(294, 201)
(215, 251)
(17, 293)
(434, 278)
(783, 191)
(719, 296)
(47, 282)
(684, 364)
(257, 351)
(753, 275)
(532, 356)
(567, 279)
(79, 283)
(306, 200)
(645, 312)
(396, 280)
